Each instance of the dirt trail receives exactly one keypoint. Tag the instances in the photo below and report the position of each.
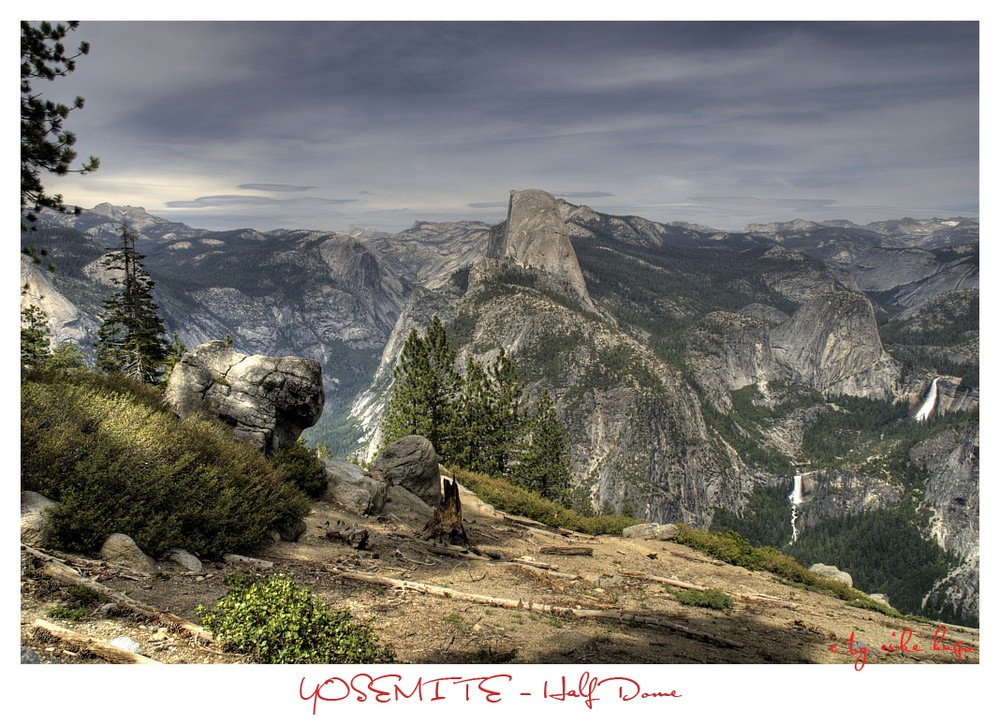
(771, 622)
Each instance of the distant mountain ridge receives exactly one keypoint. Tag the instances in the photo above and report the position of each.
(692, 366)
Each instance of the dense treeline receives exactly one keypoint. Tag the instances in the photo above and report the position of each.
(479, 421)
(883, 551)
(869, 426)
(765, 520)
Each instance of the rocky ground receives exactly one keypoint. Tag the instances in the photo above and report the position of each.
(642, 620)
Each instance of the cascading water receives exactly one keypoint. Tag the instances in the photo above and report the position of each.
(796, 499)
(927, 407)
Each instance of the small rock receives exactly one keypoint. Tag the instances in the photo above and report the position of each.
(410, 462)
(126, 643)
(106, 610)
(292, 532)
(185, 559)
(879, 597)
(28, 655)
(648, 530)
(121, 549)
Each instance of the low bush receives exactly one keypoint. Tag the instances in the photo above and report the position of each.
(274, 621)
(301, 468)
(726, 546)
(517, 500)
(64, 613)
(711, 598)
(116, 460)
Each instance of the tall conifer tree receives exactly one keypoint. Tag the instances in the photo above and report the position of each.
(545, 465)
(425, 391)
(132, 337)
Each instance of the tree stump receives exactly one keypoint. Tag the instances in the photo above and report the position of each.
(445, 525)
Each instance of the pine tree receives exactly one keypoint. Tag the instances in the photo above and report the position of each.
(34, 337)
(545, 466)
(477, 423)
(45, 144)
(425, 392)
(509, 415)
(132, 337)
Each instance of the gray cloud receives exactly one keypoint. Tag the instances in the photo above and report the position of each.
(430, 119)
(274, 187)
(583, 195)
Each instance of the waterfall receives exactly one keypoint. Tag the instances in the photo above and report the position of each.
(927, 408)
(795, 498)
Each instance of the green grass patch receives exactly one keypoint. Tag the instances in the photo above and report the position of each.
(713, 598)
(732, 548)
(519, 501)
(61, 612)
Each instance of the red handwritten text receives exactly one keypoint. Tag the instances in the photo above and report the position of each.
(860, 650)
(389, 688)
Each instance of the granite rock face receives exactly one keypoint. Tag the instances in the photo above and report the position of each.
(951, 459)
(65, 320)
(411, 463)
(729, 351)
(268, 401)
(534, 237)
(832, 344)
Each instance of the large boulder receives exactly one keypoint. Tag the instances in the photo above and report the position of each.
(407, 507)
(349, 486)
(268, 401)
(411, 463)
(833, 573)
(36, 528)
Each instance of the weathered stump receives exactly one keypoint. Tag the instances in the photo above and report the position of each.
(445, 525)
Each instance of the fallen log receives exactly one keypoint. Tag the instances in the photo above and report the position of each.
(64, 573)
(542, 572)
(701, 588)
(535, 563)
(250, 561)
(453, 551)
(666, 581)
(545, 528)
(619, 615)
(97, 647)
(568, 551)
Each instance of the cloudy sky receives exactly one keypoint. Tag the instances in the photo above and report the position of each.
(328, 125)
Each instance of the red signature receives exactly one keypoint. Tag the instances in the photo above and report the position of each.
(905, 646)
(393, 687)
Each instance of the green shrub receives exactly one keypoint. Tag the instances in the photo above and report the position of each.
(301, 468)
(711, 598)
(64, 613)
(727, 546)
(84, 594)
(116, 460)
(274, 621)
(517, 500)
